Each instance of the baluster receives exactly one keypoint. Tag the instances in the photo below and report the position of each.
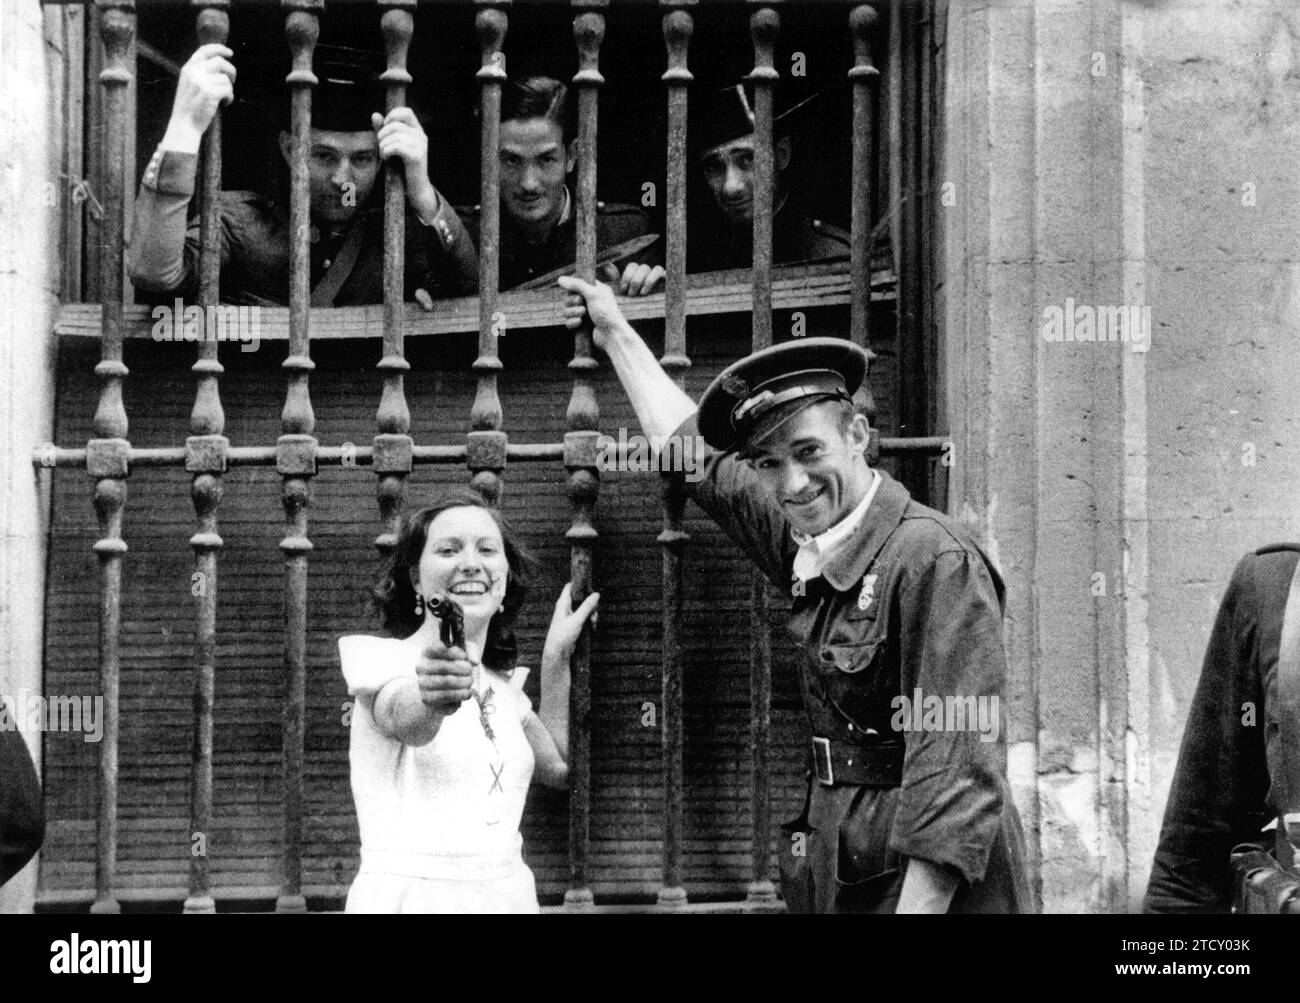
(864, 78)
(205, 458)
(296, 446)
(678, 27)
(581, 450)
(764, 24)
(393, 447)
(108, 453)
(486, 442)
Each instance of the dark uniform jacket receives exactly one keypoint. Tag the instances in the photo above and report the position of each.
(22, 819)
(1221, 794)
(910, 604)
(164, 245)
(795, 238)
(522, 261)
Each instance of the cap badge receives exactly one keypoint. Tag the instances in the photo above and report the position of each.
(735, 386)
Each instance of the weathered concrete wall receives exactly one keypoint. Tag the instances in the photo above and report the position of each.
(1119, 153)
(32, 44)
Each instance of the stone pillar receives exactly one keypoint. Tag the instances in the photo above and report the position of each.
(1100, 155)
(34, 43)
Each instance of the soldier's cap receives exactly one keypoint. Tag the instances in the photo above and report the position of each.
(347, 92)
(753, 397)
(727, 114)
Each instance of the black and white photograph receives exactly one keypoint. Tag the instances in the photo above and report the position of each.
(651, 457)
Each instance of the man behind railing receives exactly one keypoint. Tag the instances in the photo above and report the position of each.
(349, 142)
(722, 135)
(538, 152)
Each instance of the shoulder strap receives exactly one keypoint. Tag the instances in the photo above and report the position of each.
(341, 269)
(1288, 714)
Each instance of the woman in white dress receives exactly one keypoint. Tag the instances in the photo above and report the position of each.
(444, 742)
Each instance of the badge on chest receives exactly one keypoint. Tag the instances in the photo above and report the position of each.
(867, 595)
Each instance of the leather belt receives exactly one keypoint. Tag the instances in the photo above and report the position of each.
(839, 763)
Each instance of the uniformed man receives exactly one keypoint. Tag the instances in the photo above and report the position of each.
(894, 606)
(1231, 784)
(723, 139)
(538, 151)
(349, 142)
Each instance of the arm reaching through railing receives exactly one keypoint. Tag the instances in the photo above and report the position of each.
(660, 404)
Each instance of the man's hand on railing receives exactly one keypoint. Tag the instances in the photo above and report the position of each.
(596, 300)
(636, 280)
(401, 135)
(206, 82)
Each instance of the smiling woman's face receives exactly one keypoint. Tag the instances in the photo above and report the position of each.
(465, 557)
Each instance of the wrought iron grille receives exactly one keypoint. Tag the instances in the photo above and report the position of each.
(297, 456)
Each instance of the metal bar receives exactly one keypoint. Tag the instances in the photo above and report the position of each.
(106, 454)
(707, 293)
(580, 453)
(205, 458)
(393, 444)
(485, 441)
(678, 26)
(864, 78)
(50, 456)
(764, 24)
(296, 447)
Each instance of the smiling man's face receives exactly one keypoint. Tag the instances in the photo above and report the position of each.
(729, 173)
(534, 164)
(814, 468)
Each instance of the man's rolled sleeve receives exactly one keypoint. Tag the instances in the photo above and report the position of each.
(727, 488)
(156, 255)
(951, 798)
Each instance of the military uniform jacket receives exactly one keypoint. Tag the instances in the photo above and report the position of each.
(522, 261)
(910, 604)
(164, 246)
(795, 238)
(1221, 794)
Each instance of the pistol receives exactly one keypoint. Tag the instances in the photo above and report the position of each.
(451, 619)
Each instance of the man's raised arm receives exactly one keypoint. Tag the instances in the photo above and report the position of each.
(660, 404)
(157, 255)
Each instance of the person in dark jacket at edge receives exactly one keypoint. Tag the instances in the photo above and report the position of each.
(349, 142)
(1228, 783)
(22, 816)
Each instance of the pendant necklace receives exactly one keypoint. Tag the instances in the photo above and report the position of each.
(485, 707)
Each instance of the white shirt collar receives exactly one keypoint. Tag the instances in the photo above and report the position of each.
(815, 552)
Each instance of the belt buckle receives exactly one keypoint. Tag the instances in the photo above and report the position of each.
(822, 761)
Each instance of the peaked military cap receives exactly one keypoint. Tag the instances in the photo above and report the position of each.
(347, 92)
(756, 395)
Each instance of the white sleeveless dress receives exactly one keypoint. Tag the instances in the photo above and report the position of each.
(440, 822)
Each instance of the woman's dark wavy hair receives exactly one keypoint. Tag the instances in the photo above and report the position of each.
(393, 596)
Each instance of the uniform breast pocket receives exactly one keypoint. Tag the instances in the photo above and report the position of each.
(857, 681)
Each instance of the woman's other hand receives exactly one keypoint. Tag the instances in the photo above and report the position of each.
(567, 623)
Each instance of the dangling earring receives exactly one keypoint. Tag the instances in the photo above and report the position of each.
(419, 604)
